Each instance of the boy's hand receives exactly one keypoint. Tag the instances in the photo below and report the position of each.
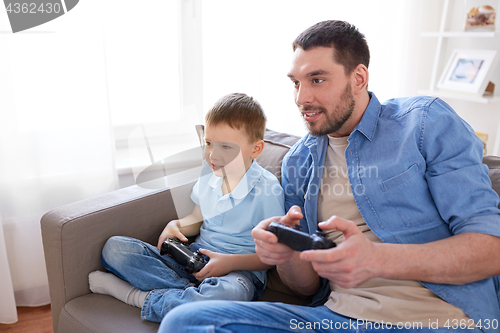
(219, 265)
(171, 230)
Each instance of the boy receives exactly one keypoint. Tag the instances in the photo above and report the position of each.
(229, 201)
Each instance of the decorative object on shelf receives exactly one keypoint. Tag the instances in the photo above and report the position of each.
(480, 18)
(469, 71)
(484, 140)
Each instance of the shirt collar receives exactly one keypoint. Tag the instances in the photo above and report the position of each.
(368, 122)
(246, 184)
(215, 182)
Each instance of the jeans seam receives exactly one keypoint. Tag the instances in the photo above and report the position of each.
(263, 324)
(146, 304)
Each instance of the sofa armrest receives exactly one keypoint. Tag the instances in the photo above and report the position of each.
(74, 235)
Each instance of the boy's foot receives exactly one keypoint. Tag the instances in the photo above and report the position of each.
(110, 284)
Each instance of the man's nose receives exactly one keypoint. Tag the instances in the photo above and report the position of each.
(303, 95)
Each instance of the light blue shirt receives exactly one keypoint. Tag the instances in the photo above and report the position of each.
(228, 219)
(415, 169)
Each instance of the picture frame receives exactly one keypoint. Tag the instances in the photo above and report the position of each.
(468, 71)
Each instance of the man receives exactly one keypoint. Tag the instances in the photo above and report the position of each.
(403, 193)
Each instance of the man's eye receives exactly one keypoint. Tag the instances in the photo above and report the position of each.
(295, 83)
(318, 80)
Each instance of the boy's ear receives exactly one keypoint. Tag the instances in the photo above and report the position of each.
(257, 148)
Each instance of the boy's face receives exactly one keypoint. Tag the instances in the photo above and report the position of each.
(228, 148)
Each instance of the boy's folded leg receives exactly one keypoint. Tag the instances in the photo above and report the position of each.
(235, 286)
(110, 284)
(141, 265)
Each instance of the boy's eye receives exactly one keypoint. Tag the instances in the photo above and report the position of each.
(226, 147)
(208, 143)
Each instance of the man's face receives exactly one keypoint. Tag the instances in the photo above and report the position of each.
(323, 91)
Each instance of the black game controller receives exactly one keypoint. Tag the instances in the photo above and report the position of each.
(180, 252)
(298, 240)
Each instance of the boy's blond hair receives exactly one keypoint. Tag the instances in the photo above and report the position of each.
(239, 111)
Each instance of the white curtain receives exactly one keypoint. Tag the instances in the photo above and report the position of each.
(55, 140)
(72, 92)
(8, 312)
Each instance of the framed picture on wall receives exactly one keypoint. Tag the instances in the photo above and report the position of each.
(468, 71)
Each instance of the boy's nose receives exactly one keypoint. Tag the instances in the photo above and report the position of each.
(214, 154)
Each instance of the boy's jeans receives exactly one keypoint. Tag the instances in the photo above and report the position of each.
(143, 267)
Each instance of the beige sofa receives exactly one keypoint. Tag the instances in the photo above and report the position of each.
(73, 236)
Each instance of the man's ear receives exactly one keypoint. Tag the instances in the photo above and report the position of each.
(360, 78)
(257, 148)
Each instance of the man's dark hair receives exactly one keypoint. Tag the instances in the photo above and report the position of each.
(239, 111)
(350, 47)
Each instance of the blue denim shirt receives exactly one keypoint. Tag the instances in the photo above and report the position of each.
(415, 169)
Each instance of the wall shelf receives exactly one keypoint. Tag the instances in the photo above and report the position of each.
(460, 96)
(442, 35)
(483, 34)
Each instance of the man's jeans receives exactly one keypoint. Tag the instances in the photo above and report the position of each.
(143, 267)
(263, 317)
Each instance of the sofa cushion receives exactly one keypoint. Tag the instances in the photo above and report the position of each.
(102, 314)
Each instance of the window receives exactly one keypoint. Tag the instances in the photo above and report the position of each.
(149, 79)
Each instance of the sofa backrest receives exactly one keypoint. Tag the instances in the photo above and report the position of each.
(493, 163)
(276, 146)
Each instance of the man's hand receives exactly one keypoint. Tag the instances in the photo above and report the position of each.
(266, 243)
(351, 263)
(171, 230)
(217, 266)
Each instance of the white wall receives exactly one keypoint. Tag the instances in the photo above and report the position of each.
(247, 48)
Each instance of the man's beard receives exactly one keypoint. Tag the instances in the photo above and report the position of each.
(334, 120)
